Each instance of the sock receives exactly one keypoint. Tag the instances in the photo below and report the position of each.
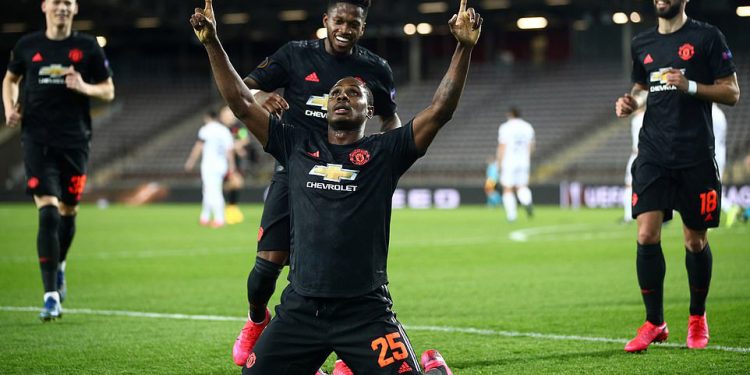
(651, 270)
(261, 284)
(66, 234)
(509, 202)
(627, 203)
(233, 196)
(524, 197)
(699, 276)
(55, 295)
(48, 246)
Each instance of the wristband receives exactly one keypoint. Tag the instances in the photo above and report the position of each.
(692, 88)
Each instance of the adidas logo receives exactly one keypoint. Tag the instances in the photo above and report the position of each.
(37, 58)
(313, 77)
(405, 368)
(648, 59)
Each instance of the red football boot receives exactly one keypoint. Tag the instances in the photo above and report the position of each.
(340, 368)
(697, 337)
(245, 342)
(647, 334)
(432, 359)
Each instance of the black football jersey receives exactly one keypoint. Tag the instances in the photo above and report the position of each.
(307, 72)
(52, 113)
(340, 199)
(677, 127)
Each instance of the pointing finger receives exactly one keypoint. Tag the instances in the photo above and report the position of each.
(209, 8)
(462, 7)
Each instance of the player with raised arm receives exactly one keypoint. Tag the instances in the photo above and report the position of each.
(306, 70)
(60, 70)
(340, 188)
(684, 65)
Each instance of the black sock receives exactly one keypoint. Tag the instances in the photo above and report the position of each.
(261, 284)
(651, 270)
(48, 246)
(67, 232)
(233, 196)
(699, 276)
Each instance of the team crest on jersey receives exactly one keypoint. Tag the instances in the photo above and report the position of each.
(334, 172)
(75, 55)
(359, 157)
(686, 52)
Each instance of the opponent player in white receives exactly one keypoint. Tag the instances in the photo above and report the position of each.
(515, 145)
(215, 146)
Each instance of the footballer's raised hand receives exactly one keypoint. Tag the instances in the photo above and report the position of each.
(466, 25)
(204, 23)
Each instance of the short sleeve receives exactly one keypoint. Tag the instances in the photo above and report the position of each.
(202, 134)
(638, 74)
(720, 57)
(281, 139)
(385, 93)
(273, 72)
(400, 142)
(16, 65)
(99, 65)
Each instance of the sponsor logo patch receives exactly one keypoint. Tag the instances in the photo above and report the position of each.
(648, 59)
(334, 173)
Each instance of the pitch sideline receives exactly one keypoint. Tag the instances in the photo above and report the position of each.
(475, 331)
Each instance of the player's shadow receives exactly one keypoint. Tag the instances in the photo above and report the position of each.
(457, 366)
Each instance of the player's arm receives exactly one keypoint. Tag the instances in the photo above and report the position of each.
(724, 90)
(104, 90)
(389, 122)
(232, 88)
(500, 154)
(195, 153)
(12, 108)
(629, 103)
(465, 27)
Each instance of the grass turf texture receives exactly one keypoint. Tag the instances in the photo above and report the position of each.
(573, 275)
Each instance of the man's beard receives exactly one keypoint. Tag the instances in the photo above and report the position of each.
(671, 12)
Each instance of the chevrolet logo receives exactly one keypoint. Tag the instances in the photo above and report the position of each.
(55, 70)
(661, 75)
(319, 101)
(334, 173)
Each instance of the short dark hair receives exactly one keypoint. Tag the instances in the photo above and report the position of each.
(515, 111)
(364, 4)
(212, 114)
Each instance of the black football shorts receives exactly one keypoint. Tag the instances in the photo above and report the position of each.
(695, 192)
(54, 171)
(362, 331)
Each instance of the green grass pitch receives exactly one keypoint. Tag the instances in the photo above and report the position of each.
(556, 294)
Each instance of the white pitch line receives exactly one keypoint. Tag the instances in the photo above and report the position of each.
(474, 331)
